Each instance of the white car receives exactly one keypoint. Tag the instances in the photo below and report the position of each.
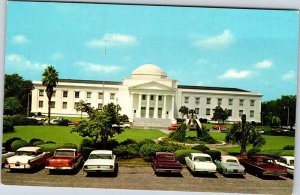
(122, 125)
(101, 161)
(27, 158)
(5, 155)
(288, 162)
(200, 163)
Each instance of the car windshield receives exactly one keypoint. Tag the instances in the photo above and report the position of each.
(100, 156)
(166, 158)
(25, 153)
(231, 161)
(64, 153)
(291, 162)
(202, 158)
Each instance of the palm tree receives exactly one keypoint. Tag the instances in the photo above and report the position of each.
(184, 111)
(49, 79)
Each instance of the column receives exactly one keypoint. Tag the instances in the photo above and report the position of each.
(156, 107)
(164, 107)
(139, 106)
(147, 106)
(131, 101)
(171, 113)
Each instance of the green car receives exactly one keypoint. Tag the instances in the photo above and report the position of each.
(229, 165)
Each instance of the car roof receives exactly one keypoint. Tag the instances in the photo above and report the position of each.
(226, 157)
(200, 154)
(164, 153)
(29, 148)
(101, 152)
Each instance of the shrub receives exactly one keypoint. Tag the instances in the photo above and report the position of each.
(50, 147)
(85, 151)
(148, 150)
(17, 120)
(7, 126)
(69, 145)
(18, 144)
(215, 154)
(289, 147)
(50, 142)
(181, 154)
(128, 141)
(253, 151)
(127, 151)
(87, 143)
(146, 141)
(64, 122)
(8, 143)
(37, 143)
(201, 148)
(31, 142)
(179, 134)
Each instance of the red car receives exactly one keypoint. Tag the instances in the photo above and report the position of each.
(64, 159)
(263, 166)
(219, 127)
(165, 162)
(173, 127)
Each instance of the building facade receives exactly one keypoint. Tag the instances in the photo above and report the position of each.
(148, 97)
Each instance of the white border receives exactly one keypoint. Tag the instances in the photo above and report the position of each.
(261, 4)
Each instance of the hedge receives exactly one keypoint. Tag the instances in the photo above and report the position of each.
(7, 144)
(181, 154)
(253, 151)
(18, 144)
(127, 151)
(33, 140)
(50, 147)
(69, 145)
(215, 154)
(289, 147)
(148, 150)
(201, 148)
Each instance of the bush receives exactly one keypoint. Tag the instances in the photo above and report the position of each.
(181, 154)
(127, 151)
(8, 126)
(8, 143)
(289, 147)
(215, 154)
(179, 134)
(18, 144)
(278, 132)
(146, 141)
(69, 145)
(148, 150)
(203, 120)
(64, 122)
(37, 143)
(87, 143)
(85, 151)
(31, 142)
(128, 141)
(50, 147)
(50, 142)
(253, 151)
(201, 148)
(17, 120)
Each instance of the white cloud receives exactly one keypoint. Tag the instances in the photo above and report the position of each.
(234, 74)
(20, 39)
(264, 64)
(218, 41)
(20, 62)
(57, 56)
(289, 75)
(112, 40)
(90, 67)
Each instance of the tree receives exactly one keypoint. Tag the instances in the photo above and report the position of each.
(220, 114)
(49, 79)
(12, 106)
(244, 134)
(184, 111)
(82, 107)
(99, 127)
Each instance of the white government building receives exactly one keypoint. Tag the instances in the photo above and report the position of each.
(147, 97)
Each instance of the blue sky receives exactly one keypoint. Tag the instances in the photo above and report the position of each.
(255, 50)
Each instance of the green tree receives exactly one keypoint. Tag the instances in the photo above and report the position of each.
(82, 107)
(49, 80)
(184, 111)
(99, 127)
(244, 134)
(220, 114)
(12, 106)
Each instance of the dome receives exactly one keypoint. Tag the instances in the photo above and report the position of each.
(149, 70)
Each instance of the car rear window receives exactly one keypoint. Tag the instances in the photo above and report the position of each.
(100, 156)
(25, 153)
(166, 158)
(64, 153)
(231, 161)
(202, 158)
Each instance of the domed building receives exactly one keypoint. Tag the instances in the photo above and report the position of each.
(148, 97)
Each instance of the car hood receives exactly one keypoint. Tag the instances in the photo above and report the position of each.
(20, 159)
(233, 166)
(206, 165)
(99, 162)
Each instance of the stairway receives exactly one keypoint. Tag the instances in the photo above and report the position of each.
(151, 122)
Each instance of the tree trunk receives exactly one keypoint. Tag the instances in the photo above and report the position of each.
(49, 110)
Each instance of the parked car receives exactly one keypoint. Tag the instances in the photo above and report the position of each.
(263, 166)
(39, 119)
(122, 125)
(230, 165)
(219, 127)
(27, 158)
(5, 155)
(65, 159)
(200, 163)
(288, 162)
(165, 162)
(173, 127)
(101, 161)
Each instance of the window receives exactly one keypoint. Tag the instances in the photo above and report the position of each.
(197, 110)
(143, 97)
(151, 97)
(252, 102)
(197, 100)
(88, 94)
(186, 99)
(65, 93)
(76, 105)
(54, 94)
(241, 112)
(112, 96)
(241, 102)
(159, 98)
(208, 100)
(100, 106)
(52, 104)
(65, 104)
(219, 101)
(251, 113)
(41, 104)
(230, 112)
(207, 111)
(76, 94)
(41, 93)
(230, 102)
(100, 95)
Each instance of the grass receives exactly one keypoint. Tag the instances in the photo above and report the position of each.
(216, 135)
(61, 134)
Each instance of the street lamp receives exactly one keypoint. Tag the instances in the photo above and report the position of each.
(288, 116)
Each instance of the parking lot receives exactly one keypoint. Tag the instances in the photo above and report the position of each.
(143, 178)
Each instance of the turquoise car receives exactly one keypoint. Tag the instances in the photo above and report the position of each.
(229, 165)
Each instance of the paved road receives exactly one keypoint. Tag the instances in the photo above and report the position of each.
(143, 178)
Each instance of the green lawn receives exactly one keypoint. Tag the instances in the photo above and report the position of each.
(216, 135)
(61, 134)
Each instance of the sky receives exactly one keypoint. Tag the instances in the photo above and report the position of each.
(255, 50)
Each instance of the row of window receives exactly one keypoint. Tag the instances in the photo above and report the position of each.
(152, 97)
(208, 101)
(241, 112)
(77, 94)
(65, 105)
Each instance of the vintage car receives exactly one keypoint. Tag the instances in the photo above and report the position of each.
(229, 165)
(200, 163)
(219, 127)
(5, 155)
(64, 159)
(165, 162)
(173, 127)
(263, 166)
(122, 125)
(288, 162)
(27, 158)
(101, 161)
